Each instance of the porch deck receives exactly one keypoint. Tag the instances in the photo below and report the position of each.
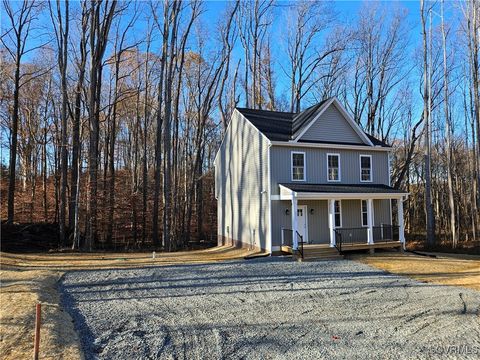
(345, 247)
(324, 251)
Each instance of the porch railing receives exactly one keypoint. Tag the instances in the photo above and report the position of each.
(287, 240)
(351, 236)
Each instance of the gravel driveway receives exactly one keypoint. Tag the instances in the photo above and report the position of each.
(270, 308)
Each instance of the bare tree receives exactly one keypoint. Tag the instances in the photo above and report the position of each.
(81, 62)
(309, 19)
(228, 37)
(159, 116)
(448, 131)
(254, 19)
(100, 22)
(15, 42)
(61, 26)
(426, 118)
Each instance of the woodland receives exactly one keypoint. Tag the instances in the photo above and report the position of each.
(111, 112)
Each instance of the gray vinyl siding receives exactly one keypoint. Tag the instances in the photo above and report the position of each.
(381, 212)
(351, 214)
(333, 127)
(241, 175)
(318, 221)
(316, 165)
(280, 220)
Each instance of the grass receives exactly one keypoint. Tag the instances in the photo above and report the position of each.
(27, 279)
(446, 269)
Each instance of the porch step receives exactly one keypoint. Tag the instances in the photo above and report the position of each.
(320, 258)
(323, 253)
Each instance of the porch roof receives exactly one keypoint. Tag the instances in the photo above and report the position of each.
(339, 191)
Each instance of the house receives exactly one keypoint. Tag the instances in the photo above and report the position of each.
(286, 181)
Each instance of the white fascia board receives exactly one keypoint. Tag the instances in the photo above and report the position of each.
(286, 193)
(348, 196)
(331, 146)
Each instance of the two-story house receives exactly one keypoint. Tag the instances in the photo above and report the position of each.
(286, 180)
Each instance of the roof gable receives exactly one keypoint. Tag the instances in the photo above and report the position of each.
(332, 122)
(331, 125)
(326, 122)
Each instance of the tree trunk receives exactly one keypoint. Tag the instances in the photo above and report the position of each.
(451, 201)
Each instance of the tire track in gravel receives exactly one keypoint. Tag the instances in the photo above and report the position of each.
(266, 308)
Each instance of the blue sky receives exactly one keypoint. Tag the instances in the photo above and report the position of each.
(347, 14)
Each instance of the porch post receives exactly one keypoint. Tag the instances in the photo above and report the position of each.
(331, 221)
(370, 221)
(294, 221)
(401, 230)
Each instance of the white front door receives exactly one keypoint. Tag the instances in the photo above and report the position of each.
(302, 224)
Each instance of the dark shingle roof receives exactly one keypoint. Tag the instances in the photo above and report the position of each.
(343, 188)
(285, 126)
(275, 125)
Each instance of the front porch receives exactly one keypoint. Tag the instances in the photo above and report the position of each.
(347, 239)
(340, 221)
(324, 251)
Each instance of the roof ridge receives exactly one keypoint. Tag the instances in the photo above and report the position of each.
(273, 111)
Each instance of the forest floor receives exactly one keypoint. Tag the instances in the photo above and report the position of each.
(27, 279)
(447, 269)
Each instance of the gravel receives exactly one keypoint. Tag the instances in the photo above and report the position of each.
(270, 308)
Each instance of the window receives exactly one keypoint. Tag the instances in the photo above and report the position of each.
(364, 213)
(365, 168)
(338, 213)
(298, 166)
(333, 167)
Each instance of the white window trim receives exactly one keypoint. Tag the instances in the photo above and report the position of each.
(371, 167)
(304, 165)
(361, 212)
(334, 213)
(339, 167)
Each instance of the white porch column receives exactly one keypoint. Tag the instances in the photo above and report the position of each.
(294, 221)
(401, 228)
(331, 221)
(370, 221)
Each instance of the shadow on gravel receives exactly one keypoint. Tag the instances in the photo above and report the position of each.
(264, 308)
(79, 321)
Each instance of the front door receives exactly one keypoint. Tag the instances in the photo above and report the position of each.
(302, 225)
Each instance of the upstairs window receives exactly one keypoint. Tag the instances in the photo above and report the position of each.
(333, 167)
(298, 166)
(364, 213)
(338, 214)
(366, 168)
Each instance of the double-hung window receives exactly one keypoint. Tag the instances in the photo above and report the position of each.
(365, 168)
(338, 213)
(298, 166)
(333, 167)
(364, 213)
